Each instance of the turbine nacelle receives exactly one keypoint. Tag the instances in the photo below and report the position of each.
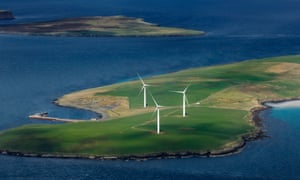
(185, 100)
(144, 88)
(156, 104)
(157, 109)
(145, 85)
(142, 81)
(182, 92)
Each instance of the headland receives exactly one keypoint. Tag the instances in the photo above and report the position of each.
(97, 26)
(222, 115)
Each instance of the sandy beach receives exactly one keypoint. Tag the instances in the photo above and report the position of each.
(286, 104)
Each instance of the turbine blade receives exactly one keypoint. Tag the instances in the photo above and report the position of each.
(141, 91)
(154, 101)
(141, 79)
(186, 100)
(153, 113)
(186, 88)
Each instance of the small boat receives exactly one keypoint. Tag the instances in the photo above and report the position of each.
(43, 114)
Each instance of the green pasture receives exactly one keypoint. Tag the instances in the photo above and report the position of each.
(203, 129)
(210, 125)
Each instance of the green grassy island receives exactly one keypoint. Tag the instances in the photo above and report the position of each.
(220, 114)
(97, 26)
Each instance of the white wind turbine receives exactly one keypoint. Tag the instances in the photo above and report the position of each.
(157, 108)
(144, 88)
(184, 99)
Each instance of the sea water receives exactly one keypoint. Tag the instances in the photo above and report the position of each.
(36, 70)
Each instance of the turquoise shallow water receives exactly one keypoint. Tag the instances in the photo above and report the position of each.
(288, 115)
(36, 70)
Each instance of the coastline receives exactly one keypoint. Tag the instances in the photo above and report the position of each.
(101, 114)
(234, 149)
(243, 101)
(283, 104)
(97, 26)
(144, 157)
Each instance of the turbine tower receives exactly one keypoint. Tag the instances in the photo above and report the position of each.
(157, 108)
(184, 99)
(144, 88)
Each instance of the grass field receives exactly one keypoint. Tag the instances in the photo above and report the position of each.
(134, 135)
(226, 94)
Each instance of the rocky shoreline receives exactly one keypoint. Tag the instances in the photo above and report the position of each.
(234, 149)
(101, 115)
(152, 156)
(163, 155)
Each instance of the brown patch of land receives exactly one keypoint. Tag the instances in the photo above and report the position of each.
(231, 98)
(284, 67)
(109, 106)
(97, 26)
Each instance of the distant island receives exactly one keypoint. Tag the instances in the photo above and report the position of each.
(221, 116)
(6, 15)
(97, 26)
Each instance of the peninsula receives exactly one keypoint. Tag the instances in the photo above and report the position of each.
(221, 115)
(97, 26)
(6, 15)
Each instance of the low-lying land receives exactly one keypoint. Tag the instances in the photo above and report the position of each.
(219, 117)
(6, 15)
(97, 26)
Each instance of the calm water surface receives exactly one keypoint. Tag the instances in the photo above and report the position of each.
(35, 70)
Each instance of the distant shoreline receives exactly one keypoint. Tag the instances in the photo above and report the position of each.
(97, 26)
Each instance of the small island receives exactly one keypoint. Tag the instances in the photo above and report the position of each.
(6, 15)
(221, 116)
(97, 26)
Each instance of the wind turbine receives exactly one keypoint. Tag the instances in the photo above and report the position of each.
(184, 99)
(144, 88)
(157, 113)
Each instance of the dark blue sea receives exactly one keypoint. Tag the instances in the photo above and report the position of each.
(35, 70)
